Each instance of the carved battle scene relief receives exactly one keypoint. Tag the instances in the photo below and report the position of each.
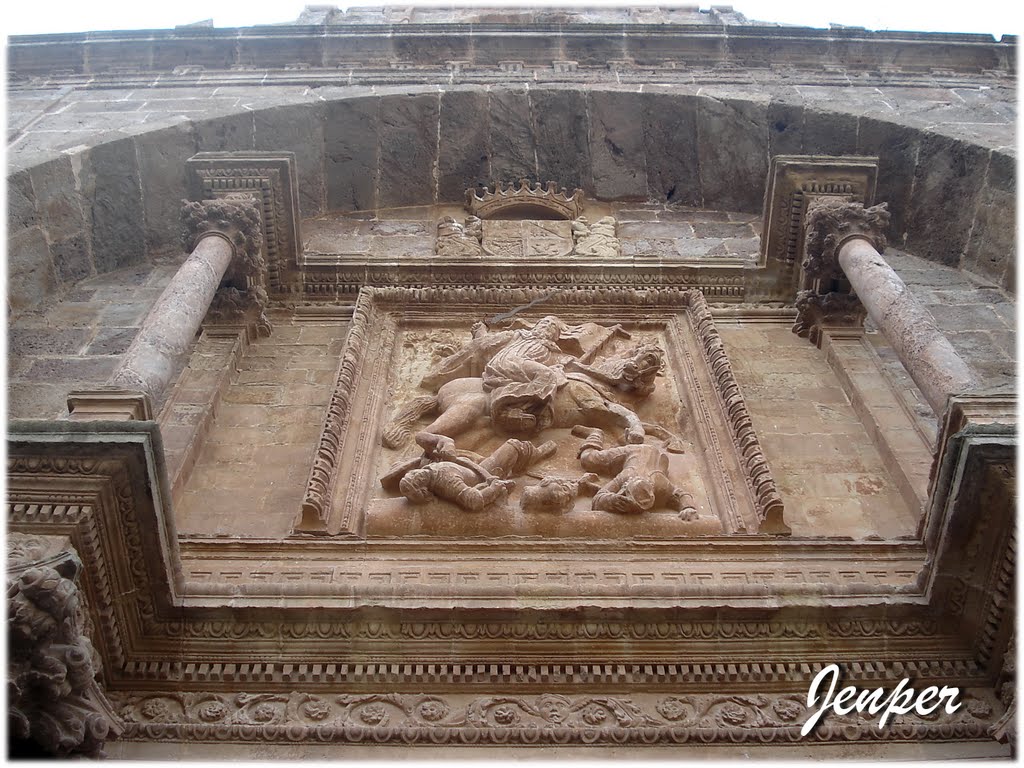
(483, 423)
(539, 426)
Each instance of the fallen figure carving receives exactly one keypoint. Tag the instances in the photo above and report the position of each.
(444, 472)
(639, 472)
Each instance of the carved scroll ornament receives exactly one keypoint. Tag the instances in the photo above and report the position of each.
(545, 718)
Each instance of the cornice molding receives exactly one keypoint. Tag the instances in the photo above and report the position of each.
(645, 44)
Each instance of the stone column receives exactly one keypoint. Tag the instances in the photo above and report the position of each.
(220, 234)
(845, 240)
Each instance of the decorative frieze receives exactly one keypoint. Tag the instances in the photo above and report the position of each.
(538, 719)
(345, 277)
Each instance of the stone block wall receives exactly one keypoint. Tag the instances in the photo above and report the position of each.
(266, 425)
(78, 342)
(829, 471)
(89, 164)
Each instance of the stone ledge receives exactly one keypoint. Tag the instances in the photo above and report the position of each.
(285, 45)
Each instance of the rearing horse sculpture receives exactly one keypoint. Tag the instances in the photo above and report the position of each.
(593, 396)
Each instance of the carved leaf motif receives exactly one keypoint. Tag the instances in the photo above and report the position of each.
(549, 718)
(53, 695)
(375, 709)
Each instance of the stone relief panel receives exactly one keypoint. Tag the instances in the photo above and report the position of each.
(527, 239)
(542, 427)
(459, 240)
(455, 421)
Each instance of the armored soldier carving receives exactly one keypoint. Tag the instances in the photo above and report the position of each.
(522, 381)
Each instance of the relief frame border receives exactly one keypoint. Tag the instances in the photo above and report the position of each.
(353, 413)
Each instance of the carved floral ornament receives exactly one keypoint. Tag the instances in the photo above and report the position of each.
(548, 718)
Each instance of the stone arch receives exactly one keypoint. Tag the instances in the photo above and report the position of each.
(420, 145)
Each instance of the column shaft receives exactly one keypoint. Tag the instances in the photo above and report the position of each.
(933, 364)
(171, 325)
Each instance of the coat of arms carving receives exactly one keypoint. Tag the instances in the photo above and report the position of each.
(527, 239)
(528, 222)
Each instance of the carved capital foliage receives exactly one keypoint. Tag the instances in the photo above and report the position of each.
(1005, 728)
(231, 306)
(236, 219)
(54, 699)
(816, 310)
(831, 223)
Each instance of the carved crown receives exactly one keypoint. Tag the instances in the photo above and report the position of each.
(527, 200)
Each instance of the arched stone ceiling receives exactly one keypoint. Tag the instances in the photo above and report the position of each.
(952, 199)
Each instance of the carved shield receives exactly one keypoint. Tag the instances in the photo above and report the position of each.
(527, 239)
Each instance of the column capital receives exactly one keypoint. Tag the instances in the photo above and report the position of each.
(830, 223)
(235, 218)
(815, 311)
(54, 697)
